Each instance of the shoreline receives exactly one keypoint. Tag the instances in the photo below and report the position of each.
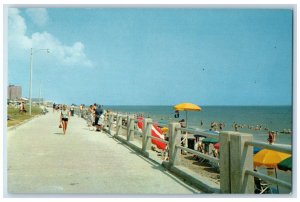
(281, 138)
(249, 119)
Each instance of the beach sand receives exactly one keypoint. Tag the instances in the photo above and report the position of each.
(201, 168)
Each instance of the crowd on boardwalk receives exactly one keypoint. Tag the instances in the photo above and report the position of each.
(97, 119)
(95, 115)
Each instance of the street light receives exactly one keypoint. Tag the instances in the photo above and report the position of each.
(30, 77)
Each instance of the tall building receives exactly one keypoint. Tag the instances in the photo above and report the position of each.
(14, 92)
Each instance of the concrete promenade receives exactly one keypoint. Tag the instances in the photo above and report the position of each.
(41, 160)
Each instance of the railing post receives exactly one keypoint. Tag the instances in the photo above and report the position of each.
(224, 140)
(174, 139)
(110, 121)
(147, 126)
(241, 159)
(130, 128)
(119, 124)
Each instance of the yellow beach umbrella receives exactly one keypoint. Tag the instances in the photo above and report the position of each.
(269, 158)
(165, 129)
(186, 106)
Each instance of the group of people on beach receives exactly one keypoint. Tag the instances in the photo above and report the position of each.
(207, 148)
(218, 126)
(215, 126)
(255, 128)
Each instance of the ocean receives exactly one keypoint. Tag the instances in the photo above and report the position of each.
(257, 120)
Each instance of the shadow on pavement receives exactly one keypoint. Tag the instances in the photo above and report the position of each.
(58, 133)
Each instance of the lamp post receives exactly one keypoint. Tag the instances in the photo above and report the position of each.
(30, 77)
(40, 95)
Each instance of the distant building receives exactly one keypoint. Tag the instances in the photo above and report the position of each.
(14, 92)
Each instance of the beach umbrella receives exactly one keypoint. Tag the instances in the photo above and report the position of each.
(211, 132)
(217, 145)
(209, 140)
(197, 136)
(165, 129)
(269, 159)
(187, 107)
(208, 132)
(286, 164)
(256, 149)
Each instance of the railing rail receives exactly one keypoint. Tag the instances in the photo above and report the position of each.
(197, 132)
(269, 179)
(205, 156)
(281, 148)
(159, 139)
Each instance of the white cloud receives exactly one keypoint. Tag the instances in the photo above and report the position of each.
(19, 41)
(17, 30)
(38, 15)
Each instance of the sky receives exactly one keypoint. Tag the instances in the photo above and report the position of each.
(153, 56)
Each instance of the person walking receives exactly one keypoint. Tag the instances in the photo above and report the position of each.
(72, 110)
(64, 117)
(54, 107)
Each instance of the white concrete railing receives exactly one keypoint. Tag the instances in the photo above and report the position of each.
(236, 163)
(235, 160)
(116, 129)
(131, 130)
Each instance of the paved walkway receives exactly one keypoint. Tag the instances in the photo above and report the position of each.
(42, 160)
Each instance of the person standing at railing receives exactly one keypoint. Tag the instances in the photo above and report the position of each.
(101, 121)
(80, 110)
(98, 113)
(91, 117)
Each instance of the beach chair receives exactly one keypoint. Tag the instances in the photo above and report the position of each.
(261, 187)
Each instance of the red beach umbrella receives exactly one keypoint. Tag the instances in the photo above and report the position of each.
(217, 145)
